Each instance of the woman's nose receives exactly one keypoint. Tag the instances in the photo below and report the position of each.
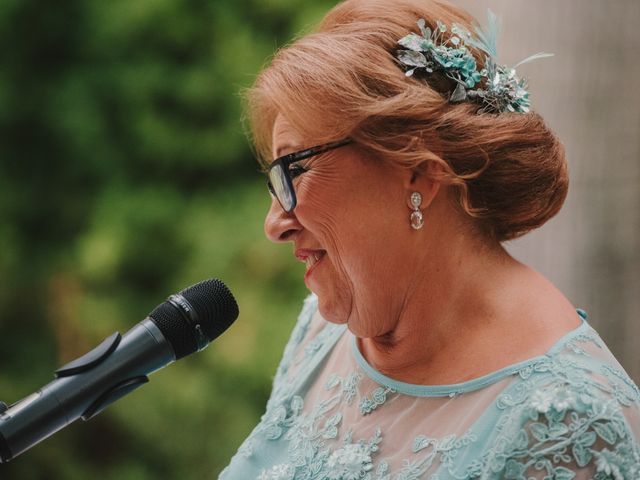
(280, 226)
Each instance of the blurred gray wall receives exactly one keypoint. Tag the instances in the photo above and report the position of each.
(589, 93)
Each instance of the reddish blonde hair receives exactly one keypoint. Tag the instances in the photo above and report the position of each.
(342, 80)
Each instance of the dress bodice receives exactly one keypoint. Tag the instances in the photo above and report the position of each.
(571, 413)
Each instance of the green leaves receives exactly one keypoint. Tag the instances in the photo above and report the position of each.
(514, 470)
(562, 473)
(605, 432)
(415, 42)
(539, 431)
(581, 454)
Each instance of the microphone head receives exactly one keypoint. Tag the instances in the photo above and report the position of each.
(195, 316)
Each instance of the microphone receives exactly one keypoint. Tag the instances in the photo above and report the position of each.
(185, 323)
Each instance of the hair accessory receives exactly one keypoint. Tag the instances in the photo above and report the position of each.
(416, 219)
(495, 86)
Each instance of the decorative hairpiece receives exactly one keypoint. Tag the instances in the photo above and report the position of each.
(435, 51)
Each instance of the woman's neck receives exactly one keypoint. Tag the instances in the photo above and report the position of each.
(485, 311)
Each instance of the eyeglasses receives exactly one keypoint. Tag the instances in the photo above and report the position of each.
(280, 181)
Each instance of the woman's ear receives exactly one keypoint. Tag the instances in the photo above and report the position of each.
(425, 179)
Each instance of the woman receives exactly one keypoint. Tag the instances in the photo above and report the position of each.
(425, 351)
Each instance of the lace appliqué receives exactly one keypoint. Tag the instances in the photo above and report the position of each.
(281, 471)
(567, 432)
(353, 461)
(313, 458)
(308, 432)
(570, 422)
(575, 343)
(378, 397)
(444, 450)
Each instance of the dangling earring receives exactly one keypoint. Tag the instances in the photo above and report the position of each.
(416, 219)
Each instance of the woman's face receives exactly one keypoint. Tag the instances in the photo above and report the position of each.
(351, 228)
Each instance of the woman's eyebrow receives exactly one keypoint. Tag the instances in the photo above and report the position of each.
(286, 147)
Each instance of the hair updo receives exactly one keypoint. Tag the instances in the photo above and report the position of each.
(343, 80)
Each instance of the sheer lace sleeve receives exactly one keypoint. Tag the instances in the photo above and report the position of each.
(311, 339)
(575, 427)
(300, 331)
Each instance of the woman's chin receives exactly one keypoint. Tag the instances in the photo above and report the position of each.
(331, 310)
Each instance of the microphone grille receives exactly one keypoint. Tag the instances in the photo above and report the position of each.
(214, 304)
(215, 309)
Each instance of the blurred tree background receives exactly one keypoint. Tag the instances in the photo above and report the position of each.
(125, 175)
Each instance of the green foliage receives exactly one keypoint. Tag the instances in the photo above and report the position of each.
(125, 176)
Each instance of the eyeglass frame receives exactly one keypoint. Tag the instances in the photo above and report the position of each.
(286, 160)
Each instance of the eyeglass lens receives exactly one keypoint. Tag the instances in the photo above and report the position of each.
(281, 187)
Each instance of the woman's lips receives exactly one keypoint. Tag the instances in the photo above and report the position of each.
(311, 258)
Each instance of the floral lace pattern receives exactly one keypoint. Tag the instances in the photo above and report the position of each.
(560, 416)
(567, 430)
(378, 397)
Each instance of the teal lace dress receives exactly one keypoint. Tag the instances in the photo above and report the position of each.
(570, 414)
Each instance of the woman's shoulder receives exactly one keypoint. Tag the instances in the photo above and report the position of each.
(578, 371)
(582, 361)
(572, 412)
